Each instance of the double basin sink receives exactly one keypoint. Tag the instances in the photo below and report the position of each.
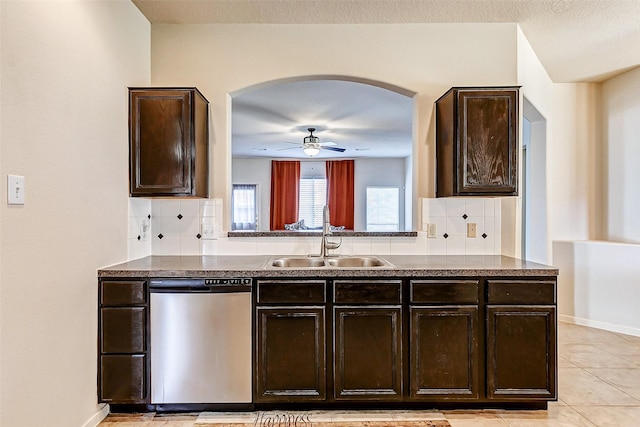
(330, 262)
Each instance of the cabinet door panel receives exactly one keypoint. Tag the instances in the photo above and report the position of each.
(521, 352)
(444, 352)
(367, 352)
(123, 378)
(161, 133)
(290, 354)
(123, 329)
(487, 123)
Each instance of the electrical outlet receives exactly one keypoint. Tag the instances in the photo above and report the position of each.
(471, 230)
(432, 231)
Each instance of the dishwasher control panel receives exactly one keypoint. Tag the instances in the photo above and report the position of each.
(227, 281)
(201, 284)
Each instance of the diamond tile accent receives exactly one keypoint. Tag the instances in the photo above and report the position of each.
(179, 216)
(160, 236)
(465, 216)
(445, 235)
(198, 235)
(484, 235)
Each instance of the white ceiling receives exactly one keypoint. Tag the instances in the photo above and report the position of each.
(575, 40)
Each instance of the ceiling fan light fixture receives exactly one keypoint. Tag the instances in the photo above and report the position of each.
(311, 150)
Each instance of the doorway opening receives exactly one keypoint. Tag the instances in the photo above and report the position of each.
(534, 184)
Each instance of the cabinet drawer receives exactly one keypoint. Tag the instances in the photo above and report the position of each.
(521, 292)
(367, 292)
(292, 292)
(123, 292)
(123, 329)
(444, 291)
(123, 378)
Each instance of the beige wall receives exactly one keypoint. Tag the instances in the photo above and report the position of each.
(571, 150)
(621, 154)
(65, 71)
(425, 59)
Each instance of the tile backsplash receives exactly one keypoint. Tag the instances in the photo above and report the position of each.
(450, 216)
(174, 227)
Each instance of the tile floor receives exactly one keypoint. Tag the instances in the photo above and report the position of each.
(598, 385)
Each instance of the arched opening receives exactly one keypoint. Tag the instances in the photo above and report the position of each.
(356, 119)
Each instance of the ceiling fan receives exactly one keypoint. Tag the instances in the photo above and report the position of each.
(311, 144)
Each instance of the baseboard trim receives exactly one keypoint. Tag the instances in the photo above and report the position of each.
(98, 416)
(600, 325)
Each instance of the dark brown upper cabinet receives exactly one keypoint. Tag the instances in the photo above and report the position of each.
(477, 142)
(168, 142)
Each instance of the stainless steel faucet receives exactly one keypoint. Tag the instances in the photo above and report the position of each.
(326, 245)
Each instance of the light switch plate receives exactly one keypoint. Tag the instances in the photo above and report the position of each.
(15, 190)
(432, 230)
(208, 231)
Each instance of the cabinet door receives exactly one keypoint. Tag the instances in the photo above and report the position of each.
(160, 141)
(168, 142)
(290, 354)
(444, 353)
(367, 353)
(487, 126)
(123, 378)
(521, 352)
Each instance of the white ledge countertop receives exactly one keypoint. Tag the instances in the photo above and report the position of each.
(258, 266)
(318, 233)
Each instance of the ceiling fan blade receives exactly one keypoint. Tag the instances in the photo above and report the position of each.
(341, 150)
(288, 148)
(327, 143)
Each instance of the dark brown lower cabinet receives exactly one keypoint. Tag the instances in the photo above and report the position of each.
(367, 353)
(521, 352)
(444, 353)
(290, 354)
(123, 364)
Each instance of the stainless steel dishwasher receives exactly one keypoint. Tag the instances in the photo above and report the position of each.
(200, 341)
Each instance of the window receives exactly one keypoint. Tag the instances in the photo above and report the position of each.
(383, 208)
(313, 197)
(244, 215)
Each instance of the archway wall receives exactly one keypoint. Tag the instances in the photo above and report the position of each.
(425, 59)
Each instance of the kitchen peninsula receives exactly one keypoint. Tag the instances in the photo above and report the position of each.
(407, 331)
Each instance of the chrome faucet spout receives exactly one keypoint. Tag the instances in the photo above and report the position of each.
(326, 232)
(326, 221)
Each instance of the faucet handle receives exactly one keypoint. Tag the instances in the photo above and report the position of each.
(333, 245)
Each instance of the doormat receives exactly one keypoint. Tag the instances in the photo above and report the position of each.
(322, 419)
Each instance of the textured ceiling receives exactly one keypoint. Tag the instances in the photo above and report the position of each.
(576, 40)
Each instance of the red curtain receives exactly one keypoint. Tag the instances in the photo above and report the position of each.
(340, 192)
(285, 179)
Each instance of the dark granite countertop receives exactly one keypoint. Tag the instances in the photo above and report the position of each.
(259, 266)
